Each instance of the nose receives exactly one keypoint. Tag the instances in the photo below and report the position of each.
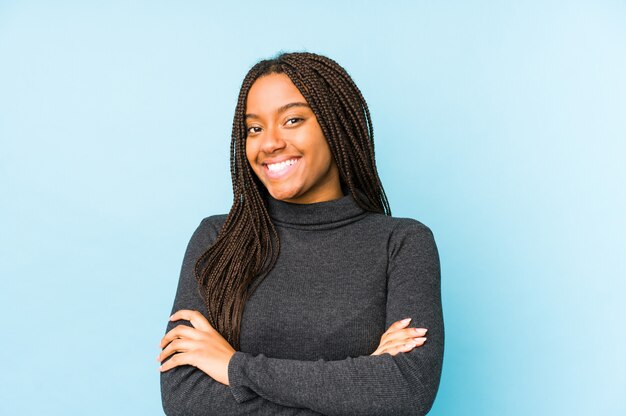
(272, 140)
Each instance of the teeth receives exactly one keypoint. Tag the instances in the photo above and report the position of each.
(274, 167)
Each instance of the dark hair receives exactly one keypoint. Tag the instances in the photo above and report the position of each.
(247, 246)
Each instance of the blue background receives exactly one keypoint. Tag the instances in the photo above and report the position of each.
(500, 125)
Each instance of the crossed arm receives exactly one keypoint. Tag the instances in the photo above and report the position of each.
(203, 375)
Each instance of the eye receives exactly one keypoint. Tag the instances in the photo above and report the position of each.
(254, 129)
(293, 120)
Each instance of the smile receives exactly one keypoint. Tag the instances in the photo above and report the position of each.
(277, 170)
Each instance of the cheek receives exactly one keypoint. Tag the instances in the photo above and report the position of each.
(325, 156)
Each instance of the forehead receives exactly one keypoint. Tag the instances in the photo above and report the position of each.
(270, 92)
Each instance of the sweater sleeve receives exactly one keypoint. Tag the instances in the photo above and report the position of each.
(403, 384)
(186, 390)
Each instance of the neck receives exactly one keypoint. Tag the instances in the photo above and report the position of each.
(325, 214)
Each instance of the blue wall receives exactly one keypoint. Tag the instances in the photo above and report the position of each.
(501, 125)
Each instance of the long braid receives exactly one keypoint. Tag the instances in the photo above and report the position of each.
(247, 246)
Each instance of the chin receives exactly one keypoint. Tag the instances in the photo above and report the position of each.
(282, 194)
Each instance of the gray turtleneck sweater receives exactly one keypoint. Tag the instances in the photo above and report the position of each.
(342, 277)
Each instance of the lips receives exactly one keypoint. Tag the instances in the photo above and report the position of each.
(280, 169)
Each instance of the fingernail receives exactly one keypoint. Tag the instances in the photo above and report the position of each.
(406, 320)
(171, 317)
(419, 339)
(421, 331)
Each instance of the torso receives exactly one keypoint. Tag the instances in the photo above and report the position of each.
(325, 297)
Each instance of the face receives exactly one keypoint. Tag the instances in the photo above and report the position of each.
(285, 145)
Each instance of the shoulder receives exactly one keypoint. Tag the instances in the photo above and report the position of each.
(413, 253)
(399, 226)
(413, 233)
(405, 237)
(410, 225)
(206, 232)
(213, 223)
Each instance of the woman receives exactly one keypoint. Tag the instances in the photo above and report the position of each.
(308, 297)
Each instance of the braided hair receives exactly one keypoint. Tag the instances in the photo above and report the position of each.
(247, 246)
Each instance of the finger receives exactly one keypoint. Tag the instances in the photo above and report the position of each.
(181, 331)
(196, 318)
(403, 346)
(399, 348)
(394, 327)
(178, 345)
(405, 334)
(175, 361)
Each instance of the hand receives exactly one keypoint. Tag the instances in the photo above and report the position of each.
(398, 338)
(201, 346)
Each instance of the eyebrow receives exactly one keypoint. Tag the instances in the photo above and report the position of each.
(282, 108)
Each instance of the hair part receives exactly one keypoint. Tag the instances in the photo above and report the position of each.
(247, 246)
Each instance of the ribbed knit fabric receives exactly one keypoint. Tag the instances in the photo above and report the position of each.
(342, 277)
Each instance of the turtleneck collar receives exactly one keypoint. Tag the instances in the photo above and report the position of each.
(319, 215)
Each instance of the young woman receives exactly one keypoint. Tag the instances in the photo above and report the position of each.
(308, 297)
